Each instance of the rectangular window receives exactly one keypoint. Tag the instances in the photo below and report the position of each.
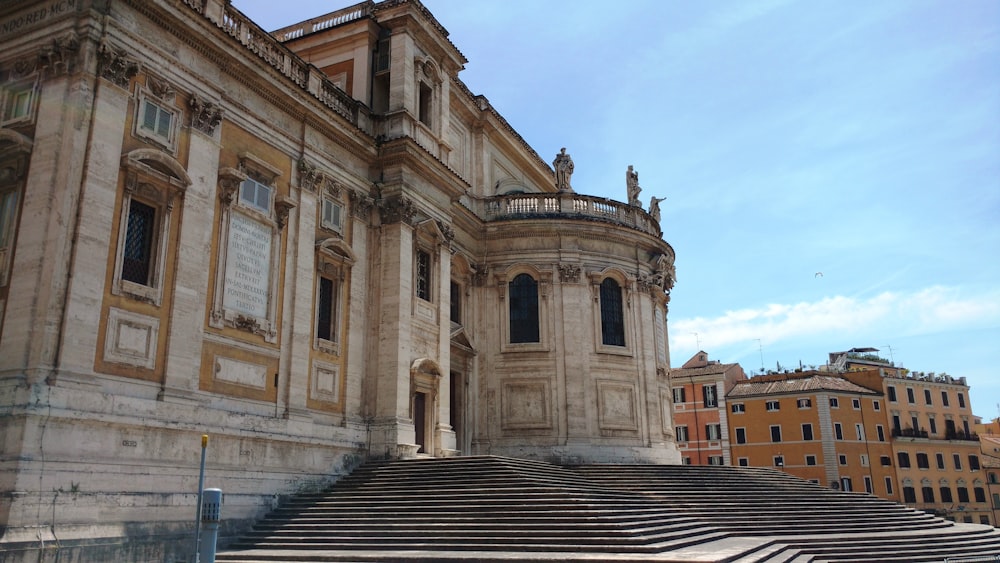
(885, 460)
(914, 423)
(909, 396)
(803, 403)
(957, 458)
(456, 303)
(856, 404)
(963, 494)
(682, 433)
(876, 405)
(922, 461)
(927, 398)
(678, 394)
(715, 460)
(710, 393)
(944, 397)
(326, 310)
(834, 403)
(946, 494)
(155, 122)
(137, 258)
(859, 431)
(775, 433)
(741, 435)
(810, 460)
(738, 408)
(745, 462)
(928, 493)
(846, 484)
(888, 485)
(333, 216)
(891, 391)
(838, 431)
(807, 431)
(773, 406)
(909, 495)
(868, 485)
(686, 461)
(842, 459)
(779, 461)
(424, 111)
(961, 400)
(713, 431)
(940, 460)
(973, 462)
(864, 460)
(881, 432)
(980, 494)
(256, 195)
(423, 267)
(932, 424)
(17, 100)
(904, 460)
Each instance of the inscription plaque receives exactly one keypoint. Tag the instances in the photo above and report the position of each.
(248, 266)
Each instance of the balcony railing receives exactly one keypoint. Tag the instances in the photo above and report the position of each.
(565, 205)
(961, 435)
(909, 433)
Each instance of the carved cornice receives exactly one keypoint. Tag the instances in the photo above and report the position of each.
(398, 210)
(59, 56)
(115, 65)
(569, 273)
(205, 115)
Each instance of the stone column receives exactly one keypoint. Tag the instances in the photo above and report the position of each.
(444, 434)
(191, 269)
(300, 273)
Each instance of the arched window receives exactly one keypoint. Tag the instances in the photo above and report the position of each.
(612, 316)
(523, 296)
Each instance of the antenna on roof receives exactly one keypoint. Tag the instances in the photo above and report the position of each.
(761, 348)
(891, 359)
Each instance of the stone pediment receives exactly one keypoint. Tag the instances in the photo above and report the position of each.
(461, 339)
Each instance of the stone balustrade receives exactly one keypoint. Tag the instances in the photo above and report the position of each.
(326, 21)
(568, 205)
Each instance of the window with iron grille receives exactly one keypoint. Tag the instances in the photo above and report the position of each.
(612, 315)
(326, 312)
(523, 297)
(456, 303)
(423, 275)
(137, 258)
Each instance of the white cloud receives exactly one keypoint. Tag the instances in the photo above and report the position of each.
(888, 314)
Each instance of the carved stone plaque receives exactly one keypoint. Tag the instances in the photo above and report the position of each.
(248, 266)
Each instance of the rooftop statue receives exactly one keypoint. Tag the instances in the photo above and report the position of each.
(632, 182)
(563, 166)
(654, 207)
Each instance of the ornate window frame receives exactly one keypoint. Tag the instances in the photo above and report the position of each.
(18, 101)
(544, 281)
(238, 223)
(160, 96)
(334, 260)
(155, 179)
(15, 151)
(627, 291)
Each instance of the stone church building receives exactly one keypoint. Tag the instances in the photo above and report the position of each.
(317, 246)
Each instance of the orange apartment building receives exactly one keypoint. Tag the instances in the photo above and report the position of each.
(938, 458)
(699, 389)
(816, 426)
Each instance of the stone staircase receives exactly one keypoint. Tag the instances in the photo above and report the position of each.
(501, 509)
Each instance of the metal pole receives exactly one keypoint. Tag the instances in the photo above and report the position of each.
(201, 484)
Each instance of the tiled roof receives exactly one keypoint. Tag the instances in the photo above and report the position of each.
(751, 388)
(706, 370)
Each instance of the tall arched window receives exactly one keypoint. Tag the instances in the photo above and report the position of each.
(612, 315)
(523, 297)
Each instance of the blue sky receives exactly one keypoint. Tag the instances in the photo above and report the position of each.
(790, 137)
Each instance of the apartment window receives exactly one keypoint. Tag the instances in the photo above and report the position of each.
(914, 423)
(927, 397)
(715, 460)
(983, 519)
(775, 433)
(710, 394)
(803, 403)
(745, 462)
(922, 461)
(424, 110)
(332, 218)
(810, 460)
(880, 431)
(741, 435)
(738, 408)
(891, 391)
(834, 403)
(928, 493)
(958, 461)
(838, 431)
(864, 460)
(885, 460)
(842, 459)
(932, 424)
(946, 494)
(682, 433)
(940, 460)
(713, 431)
(963, 494)
(846, 484)
(255, 195)
(909, 495)
(859, 431)
(888, 485)
(155, 122)
(779, 461)
(996, 500)
(678, 394)
(326, 309)
(868, 485)
(455, 296)
(961, 400)
(980, 494)
(993, 477)
(686, 460)
(944, 397)
(523, 297)
(903, 459)
(856, 404)
(896, 424)
(773, 405)
(140, 239)
(909, 396)
(876, 406)
(807, 431)
(973, 462)
(612, 315)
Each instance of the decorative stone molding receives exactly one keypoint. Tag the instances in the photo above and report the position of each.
(282, 205)
(661, 372)
(229, 181)
(447, 232)
(59, 56)
(115, 65)
(568, 273)
(310, 176)
(161, 88)
(332, 187)
(398, 210)
(361, 204)
(205, 115)
(479, 274)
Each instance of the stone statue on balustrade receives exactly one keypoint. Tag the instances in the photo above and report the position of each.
(632, 183)
(563, 166)
(654, 207)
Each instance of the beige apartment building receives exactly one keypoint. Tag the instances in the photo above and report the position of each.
(316, 246)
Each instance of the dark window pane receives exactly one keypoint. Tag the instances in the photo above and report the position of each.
(523, 296)
(325, 313)
(612, 316)
(137, 258)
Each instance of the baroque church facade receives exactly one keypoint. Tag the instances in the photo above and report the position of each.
(316, 246)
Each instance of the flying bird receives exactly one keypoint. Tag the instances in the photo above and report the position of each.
(818, 275)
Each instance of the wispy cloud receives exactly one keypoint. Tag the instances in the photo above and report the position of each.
(887, 314)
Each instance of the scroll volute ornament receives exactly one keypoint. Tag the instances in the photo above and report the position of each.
(229, 181)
